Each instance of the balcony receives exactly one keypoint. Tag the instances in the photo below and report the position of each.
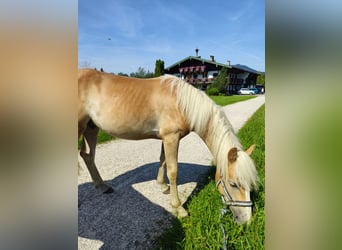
(199, 81)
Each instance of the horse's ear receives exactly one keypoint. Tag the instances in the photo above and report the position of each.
(232, 155)
(250, 150)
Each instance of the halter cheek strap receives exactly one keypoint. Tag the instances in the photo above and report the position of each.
(230, 201)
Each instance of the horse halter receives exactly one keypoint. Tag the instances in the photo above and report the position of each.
(230, 201)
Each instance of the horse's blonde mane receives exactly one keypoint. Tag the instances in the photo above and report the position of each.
(245, 171)
(211, 124)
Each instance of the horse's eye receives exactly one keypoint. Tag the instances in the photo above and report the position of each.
(233, 185)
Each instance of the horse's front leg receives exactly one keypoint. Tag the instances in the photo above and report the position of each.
(171, 143)
(161, 172)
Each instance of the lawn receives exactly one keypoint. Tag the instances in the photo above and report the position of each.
(201, 230)
(226, 100)
(101, 137)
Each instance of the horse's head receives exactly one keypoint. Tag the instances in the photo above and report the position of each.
(235, 182)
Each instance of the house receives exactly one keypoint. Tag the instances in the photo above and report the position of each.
(201, 72)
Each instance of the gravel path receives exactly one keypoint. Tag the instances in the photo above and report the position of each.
(137, 212)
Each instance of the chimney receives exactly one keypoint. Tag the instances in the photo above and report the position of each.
(228, 62)
(196, 50)
(212, 58)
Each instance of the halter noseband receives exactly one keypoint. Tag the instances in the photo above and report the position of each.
(230, 201)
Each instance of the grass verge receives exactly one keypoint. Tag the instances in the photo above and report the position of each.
(201, 230)
(226, 100)
(101, 137)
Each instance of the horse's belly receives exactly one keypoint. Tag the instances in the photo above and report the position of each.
(133, 134)
(136, 130)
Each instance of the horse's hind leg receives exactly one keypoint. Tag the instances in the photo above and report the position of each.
(161, 172)
(88, 155)
(81, 127)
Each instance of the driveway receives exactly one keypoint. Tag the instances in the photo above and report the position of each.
(137, 212)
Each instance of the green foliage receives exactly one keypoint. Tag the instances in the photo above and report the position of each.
(260, 79)
(122, 74)
(142, 73)
(201, 230)
(221, 81)
(213, 91)
(159, 69)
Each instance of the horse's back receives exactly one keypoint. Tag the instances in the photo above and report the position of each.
(88, 78)
(124, 106)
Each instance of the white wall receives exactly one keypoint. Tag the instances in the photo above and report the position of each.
(211, 73)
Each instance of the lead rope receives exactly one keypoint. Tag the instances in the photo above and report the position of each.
(223, 211)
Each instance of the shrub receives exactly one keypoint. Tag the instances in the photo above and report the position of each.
(212, 91)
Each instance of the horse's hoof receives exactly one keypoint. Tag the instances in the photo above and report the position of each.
(109, 190)
(166, 190)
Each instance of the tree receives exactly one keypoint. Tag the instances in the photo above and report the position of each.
(260, 79)
(159, 69)
(221, 81)
(149, 74)
(141, 73)
(122, 74)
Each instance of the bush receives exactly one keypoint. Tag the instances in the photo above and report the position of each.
(212, 91)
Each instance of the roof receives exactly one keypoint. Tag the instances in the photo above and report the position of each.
(198, 59)
(246, 68)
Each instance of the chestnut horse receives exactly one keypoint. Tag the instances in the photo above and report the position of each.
(165, 108)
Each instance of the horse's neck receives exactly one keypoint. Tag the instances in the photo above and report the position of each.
(205, 118)
(220, 137)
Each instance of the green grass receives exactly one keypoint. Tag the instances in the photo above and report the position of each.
(201, 230)
(101, 137)
(225, 100)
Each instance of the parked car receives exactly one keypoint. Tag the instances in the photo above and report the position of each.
(246, 91)
(256, 91)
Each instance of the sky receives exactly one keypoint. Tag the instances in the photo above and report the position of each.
(123, 35)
